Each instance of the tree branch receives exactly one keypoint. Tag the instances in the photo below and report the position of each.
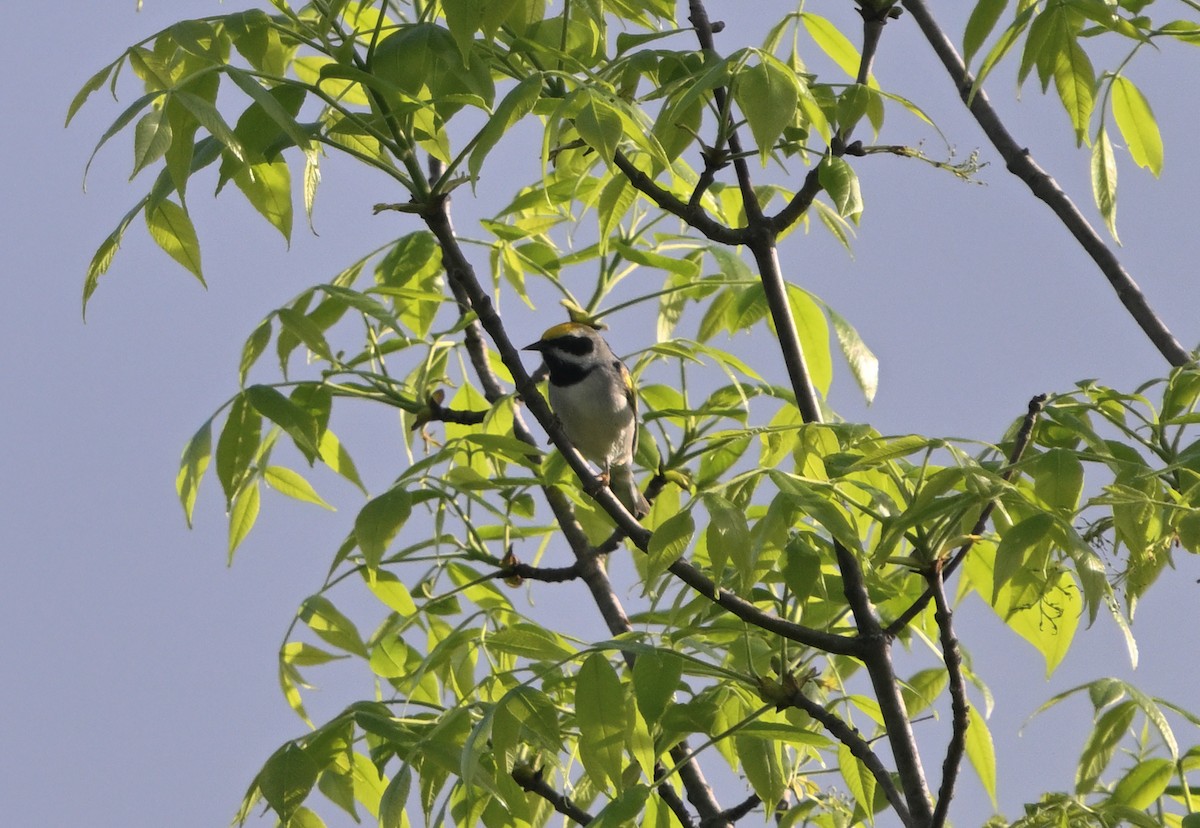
(1021, 164)
(960, 720)
(877, 658)
(691, 214)
(698, 16)
(532, 781)
(851, 738)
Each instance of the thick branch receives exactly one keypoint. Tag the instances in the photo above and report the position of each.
(766, 255)
(1021, 164)
(960, 709)
(877, 658)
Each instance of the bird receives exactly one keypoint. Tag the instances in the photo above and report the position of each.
(594, 398)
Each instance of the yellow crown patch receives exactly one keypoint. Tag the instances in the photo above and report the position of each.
(565, 329)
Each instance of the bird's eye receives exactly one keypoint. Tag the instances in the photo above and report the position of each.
(576, 345)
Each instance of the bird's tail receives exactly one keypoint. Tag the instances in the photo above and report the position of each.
(623, 485)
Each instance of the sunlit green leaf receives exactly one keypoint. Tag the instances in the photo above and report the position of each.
(172, 229)
(1104, 181)
(656, 676)
(324, 619)
(981, 752)
(291, 483)
(378, 522)
(600, 710)
(515, 105)
(832, 42)
(1137, 124)
(669, 541)
(192, 466)
(858, 779)
(1144, 783)
(980, 24)
(838, 179)
(243, 514)
(762, 765)
(286, 779)
(237, 445)
(767, 93)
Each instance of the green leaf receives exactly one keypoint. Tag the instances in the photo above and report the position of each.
(624, 810)
(389, 589)
(243, 514)
(864, 365)
(237, 445)
(1058, 479)
(728, 538)
(307, 331)
(291, 483)
(518, 103)
(103, 257)
(271, 106)
(762, 765)
(1144, 783)
(255, 345)
(91, 85)
(119, 124)
(531, 641)
(768, 94)
(1109, 730)
(982, 752)
(832, 42)
(267, 185)
(334, 455)
(656, 676)
(378, 522)
(668, 543)
(838, 179)
(277, 408)
(1104, 182)
(1014, 549)
(814, 336)
(601, 713)
(980, 24)
(211, 119)
(286, 780)
(151, 139)
(172, 230)
(324, 619)
(1137, 124)
(599, 125)
(1075, 81)
(859, 780)
(192, 465)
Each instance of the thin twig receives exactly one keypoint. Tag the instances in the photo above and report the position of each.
(1021, 164)
(960, 709)
(544, 574)
(1020, 443)
(742, 809)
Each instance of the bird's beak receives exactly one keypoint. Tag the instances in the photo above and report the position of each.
(537, 346)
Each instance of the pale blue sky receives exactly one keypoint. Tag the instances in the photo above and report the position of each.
(140, 683)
